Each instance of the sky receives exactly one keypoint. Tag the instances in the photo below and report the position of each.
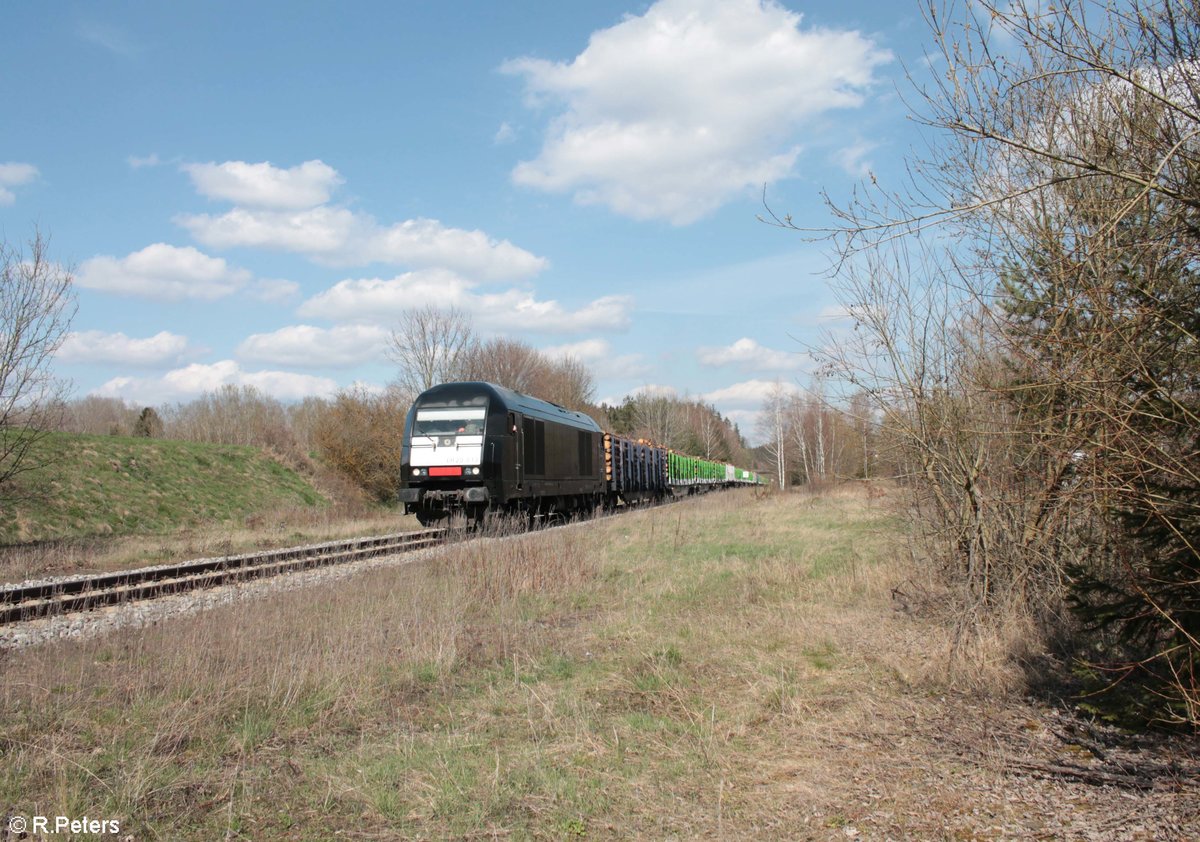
(251, 193)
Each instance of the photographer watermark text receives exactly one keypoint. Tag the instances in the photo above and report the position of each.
(62, 824)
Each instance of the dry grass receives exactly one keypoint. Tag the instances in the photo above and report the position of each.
(726, 668)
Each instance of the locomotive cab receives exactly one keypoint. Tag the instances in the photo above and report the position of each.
(449, 452)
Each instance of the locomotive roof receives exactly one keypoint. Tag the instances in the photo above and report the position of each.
(475, 393)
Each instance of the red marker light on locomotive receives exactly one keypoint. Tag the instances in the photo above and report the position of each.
(445, 472)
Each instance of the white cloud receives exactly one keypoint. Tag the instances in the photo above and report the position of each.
(655, 390)
(136, 163)
(306, 346)
(189, 382)
(517, 309)
(504, 134)
(341, 237)
(852, 158)
(263, 185)
(376, 300)
(14, 174)
(598, 355)
(748, 393)
(586, 350)
(96, 346)
(671, 114)
(750, 356)
(288, 210)
(163, 272)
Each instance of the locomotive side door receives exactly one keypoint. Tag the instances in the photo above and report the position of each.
(516, 441)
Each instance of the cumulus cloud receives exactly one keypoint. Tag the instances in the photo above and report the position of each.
(96, 346)
(138, 162)
(505, 134)
(748, 393)
(263, 185)
(14, 174)
(600, 357)
(306, 346)
(163, 272)
(194, 380)
(750, 356)
(670, 114)
(342, 237)
(288, 210)
(377, 300)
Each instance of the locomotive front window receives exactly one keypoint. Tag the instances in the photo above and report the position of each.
(449, 422)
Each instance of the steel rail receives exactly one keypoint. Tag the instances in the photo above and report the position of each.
(28, 602)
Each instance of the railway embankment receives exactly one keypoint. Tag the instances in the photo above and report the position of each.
(737, 666)
(103, 503)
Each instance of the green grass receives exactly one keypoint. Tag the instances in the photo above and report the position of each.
(113, 485)
(625, 679)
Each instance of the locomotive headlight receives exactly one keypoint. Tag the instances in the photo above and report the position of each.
(475, 471)
(416, 472)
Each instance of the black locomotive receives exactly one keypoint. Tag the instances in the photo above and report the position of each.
(475, 448)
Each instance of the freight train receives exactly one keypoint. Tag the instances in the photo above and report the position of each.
(475, 450)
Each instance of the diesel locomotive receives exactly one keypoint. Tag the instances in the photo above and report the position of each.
(474, 449)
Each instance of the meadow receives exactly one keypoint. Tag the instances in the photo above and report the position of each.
(737, 666)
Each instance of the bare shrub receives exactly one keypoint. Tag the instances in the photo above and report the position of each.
(36, 308)
(232, 415)
(99, 416)
(360, 434)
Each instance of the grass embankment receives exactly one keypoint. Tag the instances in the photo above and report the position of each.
(730, 667)
(114, 485)
(110, 502)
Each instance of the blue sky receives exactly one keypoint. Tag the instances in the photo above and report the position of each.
(251, 193)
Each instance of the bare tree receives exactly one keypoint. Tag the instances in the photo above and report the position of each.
(773, 424)
(233, 415)
(429, 344)
(99, 416)
(566, 381)
(517, 365)
(36, 308)
(861, 415)
(709, 432)
(506, 362)
(657, 418)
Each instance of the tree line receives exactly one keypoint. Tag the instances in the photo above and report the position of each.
(357, 433)
(810, 440)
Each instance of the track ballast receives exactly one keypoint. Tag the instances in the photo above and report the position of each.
(23, 602)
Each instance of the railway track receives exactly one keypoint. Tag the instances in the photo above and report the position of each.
(23, 602)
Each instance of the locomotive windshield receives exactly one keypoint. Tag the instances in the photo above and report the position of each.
(449, 422)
